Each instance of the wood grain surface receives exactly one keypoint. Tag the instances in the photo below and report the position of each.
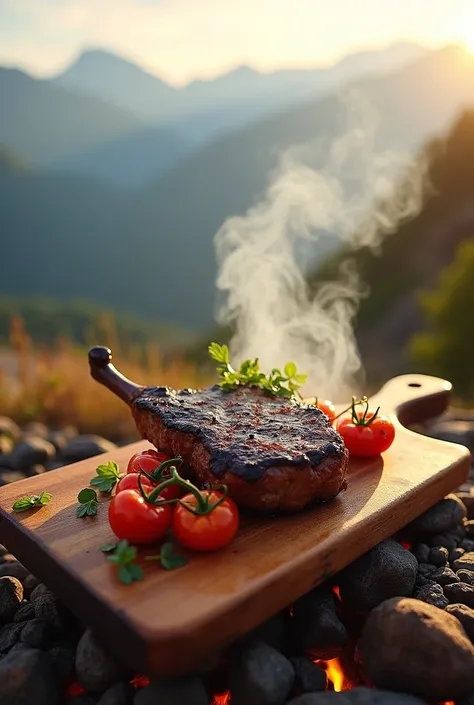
(172, 621)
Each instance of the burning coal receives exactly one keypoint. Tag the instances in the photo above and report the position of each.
(321, 196)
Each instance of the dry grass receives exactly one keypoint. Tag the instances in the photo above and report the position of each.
(54, 385)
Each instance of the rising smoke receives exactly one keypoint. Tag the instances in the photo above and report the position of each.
(264, 256)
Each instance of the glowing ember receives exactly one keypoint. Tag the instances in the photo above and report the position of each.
(221, 699)
(73, 690)
(140, 681)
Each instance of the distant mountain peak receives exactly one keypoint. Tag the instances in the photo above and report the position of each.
(102, 63)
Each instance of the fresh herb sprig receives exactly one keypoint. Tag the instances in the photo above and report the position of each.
(88, 503)
(168, 558)
(280, 384)
(124, 556)
(107, 477)
(32, 501)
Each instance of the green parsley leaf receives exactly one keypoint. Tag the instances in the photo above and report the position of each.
(279, 384)
(219, 353)
(124, 556)
(88, 503)
(106, 548)
(32, 501)
(168, 559)
(107, 477)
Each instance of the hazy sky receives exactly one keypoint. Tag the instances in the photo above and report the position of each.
(183, 39)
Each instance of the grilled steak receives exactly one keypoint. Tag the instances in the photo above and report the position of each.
(272, 453)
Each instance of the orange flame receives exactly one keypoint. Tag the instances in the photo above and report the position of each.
(221, 699)
(335, 674)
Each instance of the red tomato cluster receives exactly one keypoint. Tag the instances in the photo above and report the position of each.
(365, 434)
(201, 520)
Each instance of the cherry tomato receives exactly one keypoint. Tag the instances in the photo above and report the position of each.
(206, 532)
(366, 440)
(149, 460)
(133, 519)
(130, 482)
(328, 408)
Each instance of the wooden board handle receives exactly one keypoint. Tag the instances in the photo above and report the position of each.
(102, 370)
(413, 398)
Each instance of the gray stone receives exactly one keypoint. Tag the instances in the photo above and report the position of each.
(36, 633)
(260, 676)
(467, 498)
(118, 694)
(50, 610)
(25, 612)
(84, 447)
(182, 691)
(421, 552)
(444, 576)
(84, 699)
(35, 429)
(309, 677)
(466, 576)
(59, 440)
(62, 661)
(273, 631)
(29, 584)
(432, 594)
(388, 570)
(443, 516)
(11, 595)
(461, 432)
(13, 569)
(438, 556)
(460, 592)
(447, 540)
(35, 470)
(32, 451)
(465, 615)
(456, 553)
(39, 591)
(426, 569)
(465, 562)
(9, 476)
(357, 696)
(6, 445)
(10, 635)
(409, 646)
(9, 428)
(316, 627)
(26, 678)
(96, 668)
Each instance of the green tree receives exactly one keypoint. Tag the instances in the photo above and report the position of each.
(444, 348)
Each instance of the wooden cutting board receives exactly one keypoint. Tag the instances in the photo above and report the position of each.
(171, 621)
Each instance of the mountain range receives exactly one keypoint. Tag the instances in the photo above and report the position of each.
(105, 116)
(150, 250)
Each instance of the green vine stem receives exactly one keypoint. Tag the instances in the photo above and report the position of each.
(204, 506)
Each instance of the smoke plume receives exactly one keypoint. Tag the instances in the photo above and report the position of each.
(322, 196)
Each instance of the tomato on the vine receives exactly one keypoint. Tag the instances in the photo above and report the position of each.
(149, 461)
(366, 435)
(130, 482)
(201, 531)
(327, 407)
(137, 521)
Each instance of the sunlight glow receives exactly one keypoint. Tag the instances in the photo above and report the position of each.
(465, 28)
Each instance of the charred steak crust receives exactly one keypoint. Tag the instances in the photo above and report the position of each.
(273, 453)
